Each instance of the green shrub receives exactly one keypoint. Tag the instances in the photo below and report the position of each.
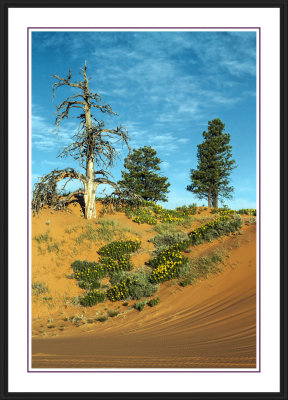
(187, 281)
(89, 285)
(171, 254)
(188, 210)
(134, 286)
(140, 305)
(129, 212)
(164, 240)
(113, 313)
(170, 263)
(92, 298)
(140, 215)
(116, 249)
(145, 220)
(89, 271)
(250, 211)
(140, 286)
(252, 220)
(169, 267)
(220, 226)
(154, 302)
(123, 263)
(120, 291)
(169, 217)
(117, 276)
(102, 319)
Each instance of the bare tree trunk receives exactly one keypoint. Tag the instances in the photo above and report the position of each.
(90, 188)
(89, 199)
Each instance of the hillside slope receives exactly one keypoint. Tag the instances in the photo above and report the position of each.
(211, 324)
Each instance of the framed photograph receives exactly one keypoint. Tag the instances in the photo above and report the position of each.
(144, 211)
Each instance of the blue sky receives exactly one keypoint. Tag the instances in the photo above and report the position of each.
(165, 87)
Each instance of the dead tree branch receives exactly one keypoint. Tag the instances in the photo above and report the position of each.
(45, 192)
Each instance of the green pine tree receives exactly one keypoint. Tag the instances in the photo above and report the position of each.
(141, 175)
(212, 177)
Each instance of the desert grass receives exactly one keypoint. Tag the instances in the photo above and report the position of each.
(104, 231)
(39, 288)
(175, 226)
(71, 229)
(202, 267)
(51, 244)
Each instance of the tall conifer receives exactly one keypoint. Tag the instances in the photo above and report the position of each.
(212, 177)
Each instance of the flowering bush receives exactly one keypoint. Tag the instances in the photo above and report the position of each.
(92, 298)
(88, 271)
(156, 208)
(248, 211)
(169, 267)
(123, 263)
(145, 219)
(119, 291)
(83, 284)
(116, 249)
(187, 210)
(141, 214)
(134, 286)
(220, 226)
(168, 264)
(168, 217)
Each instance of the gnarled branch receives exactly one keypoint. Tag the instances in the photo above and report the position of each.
(119, 199)
(45, 191)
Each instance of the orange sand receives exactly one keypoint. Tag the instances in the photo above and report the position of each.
(211, 324)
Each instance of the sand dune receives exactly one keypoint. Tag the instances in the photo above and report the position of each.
(208, 325)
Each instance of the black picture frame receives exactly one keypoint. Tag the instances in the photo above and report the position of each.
(208, 5)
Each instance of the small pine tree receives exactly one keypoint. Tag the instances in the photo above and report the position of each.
(211, 178)
(142, 176)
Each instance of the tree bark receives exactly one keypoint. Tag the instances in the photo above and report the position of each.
(215, 200)
(91, 186)
(209, 198)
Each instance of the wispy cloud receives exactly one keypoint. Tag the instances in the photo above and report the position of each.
(44, 135)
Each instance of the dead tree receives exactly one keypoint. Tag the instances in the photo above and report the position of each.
(93, 145)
